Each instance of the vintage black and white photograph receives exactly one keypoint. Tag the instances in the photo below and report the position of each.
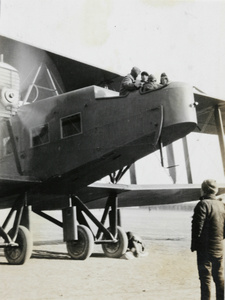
(112, 149)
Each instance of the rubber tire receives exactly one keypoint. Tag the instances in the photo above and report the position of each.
(116, 250)
(19, 255)
(83, 247)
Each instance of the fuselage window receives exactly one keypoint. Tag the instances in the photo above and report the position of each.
(39, 135)
(7, 146)
(71, 125)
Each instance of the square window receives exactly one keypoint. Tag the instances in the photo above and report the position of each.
(40, 135)
(71, 125)
(7, 146)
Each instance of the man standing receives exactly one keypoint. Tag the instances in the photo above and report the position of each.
(129, 82)
(207, 239)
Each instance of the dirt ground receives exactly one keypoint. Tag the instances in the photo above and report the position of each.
(168, 272)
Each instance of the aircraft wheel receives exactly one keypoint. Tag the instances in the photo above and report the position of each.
(83, 247)
(18, 255)
(116, 250)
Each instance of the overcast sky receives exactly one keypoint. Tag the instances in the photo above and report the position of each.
(185, 39)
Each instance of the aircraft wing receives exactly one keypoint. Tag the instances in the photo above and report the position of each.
(129, 195)
(40, 67)
(11, 186)
(205, 108)
(88, 75)
(96, 194)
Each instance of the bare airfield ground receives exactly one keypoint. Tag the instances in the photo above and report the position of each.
(168, 272)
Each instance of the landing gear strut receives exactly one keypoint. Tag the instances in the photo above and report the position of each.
(79, 236)
(114, 239)
(18, 241)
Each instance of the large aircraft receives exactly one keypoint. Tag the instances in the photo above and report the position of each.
(63, 126)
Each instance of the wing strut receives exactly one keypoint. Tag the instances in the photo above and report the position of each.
(133, 177)
(52, 86)
(187, 160)
(31, 85)
(116, 176)
(171, 162)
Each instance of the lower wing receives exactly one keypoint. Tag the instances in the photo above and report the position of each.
(95, 195)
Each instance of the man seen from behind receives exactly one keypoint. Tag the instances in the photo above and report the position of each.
(207, 239)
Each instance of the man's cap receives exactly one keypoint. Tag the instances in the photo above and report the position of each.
(144, 73)
(151, 77)
(135, 70)
(163, 75)
(209, 186)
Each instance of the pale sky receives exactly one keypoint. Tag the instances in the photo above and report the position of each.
(185, 39)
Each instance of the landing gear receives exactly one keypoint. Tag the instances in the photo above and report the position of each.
(78, 234)
(18, 255)
(113, 240)
(117, 249)
(83, 247)
(18, 242)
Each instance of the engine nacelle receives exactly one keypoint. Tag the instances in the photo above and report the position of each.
(9, 90)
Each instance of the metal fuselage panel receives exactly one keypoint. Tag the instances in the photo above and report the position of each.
(113, 132)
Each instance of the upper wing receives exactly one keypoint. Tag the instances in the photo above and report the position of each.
(205, 108)
(76, 75)
(42, 71)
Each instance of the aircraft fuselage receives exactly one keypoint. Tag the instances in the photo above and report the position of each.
(76, 138)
